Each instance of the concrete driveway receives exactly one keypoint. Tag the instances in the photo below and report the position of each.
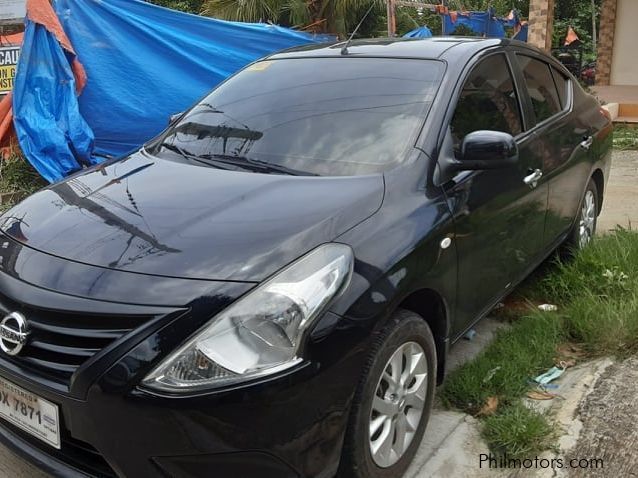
(621, 198)
(452, 444)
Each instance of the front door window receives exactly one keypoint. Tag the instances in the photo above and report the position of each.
(488, 101)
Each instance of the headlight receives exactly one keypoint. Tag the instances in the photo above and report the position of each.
(262, 332)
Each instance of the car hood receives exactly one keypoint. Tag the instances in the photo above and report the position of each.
(155, 216)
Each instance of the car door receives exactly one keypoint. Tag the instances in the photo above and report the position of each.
(499, 218)
(561, 140)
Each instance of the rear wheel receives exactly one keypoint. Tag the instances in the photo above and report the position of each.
(393, 401)
(585, 226)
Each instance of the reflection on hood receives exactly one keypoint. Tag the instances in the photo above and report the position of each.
(169, 218)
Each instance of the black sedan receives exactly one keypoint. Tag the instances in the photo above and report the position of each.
(269, 287)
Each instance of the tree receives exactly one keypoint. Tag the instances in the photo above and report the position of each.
(578, 15)
(335, 16)
(188, 6)
(341, 16)
(410, 18)
(502, 7)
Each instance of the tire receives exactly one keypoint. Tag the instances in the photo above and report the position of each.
(406, 335)
(585, 225)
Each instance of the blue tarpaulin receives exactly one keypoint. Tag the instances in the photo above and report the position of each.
(521, 35)
(482, 23)
(143, 63)
(485, 23)
(52, 134)
(421, 32)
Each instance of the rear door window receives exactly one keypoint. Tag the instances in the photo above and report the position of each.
(562, 85)
(488, 101)
(540, 86)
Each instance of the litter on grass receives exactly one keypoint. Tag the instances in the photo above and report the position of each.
(541, 395)
(491, 374)
(548, 307)
(470, 334)
(552, 374)
(489, 408)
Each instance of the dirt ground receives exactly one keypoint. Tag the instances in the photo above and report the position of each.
(609, 424)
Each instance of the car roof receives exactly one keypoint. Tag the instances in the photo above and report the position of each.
(441, 47)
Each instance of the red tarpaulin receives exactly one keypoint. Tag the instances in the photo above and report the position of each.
(7, 135)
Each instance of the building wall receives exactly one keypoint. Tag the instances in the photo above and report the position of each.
(606, 41)
(624, 67)
(541, 23)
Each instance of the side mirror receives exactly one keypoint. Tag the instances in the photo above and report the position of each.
(174, 117)
(487, 150)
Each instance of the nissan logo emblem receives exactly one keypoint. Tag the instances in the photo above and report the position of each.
(14, 331)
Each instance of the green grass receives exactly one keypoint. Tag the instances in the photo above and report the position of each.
(18, 176)
(519, 432)
(525, 350)
(598, 291)
(625, 137)
(597, 296)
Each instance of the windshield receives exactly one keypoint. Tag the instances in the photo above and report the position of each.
(323, 116)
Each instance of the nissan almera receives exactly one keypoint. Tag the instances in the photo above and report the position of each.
(269, 287)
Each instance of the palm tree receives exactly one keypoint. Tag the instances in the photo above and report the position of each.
(502, 7)
(336, 16)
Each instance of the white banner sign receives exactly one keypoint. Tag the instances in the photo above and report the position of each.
(9, 57)
(12, 11)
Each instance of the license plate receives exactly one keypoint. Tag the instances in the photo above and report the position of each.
(33, 414)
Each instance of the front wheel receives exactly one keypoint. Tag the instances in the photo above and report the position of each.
(585, 226)
(393, 401)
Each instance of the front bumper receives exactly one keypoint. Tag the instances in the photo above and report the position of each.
(250, 433)
(244, 464)
(291, 425)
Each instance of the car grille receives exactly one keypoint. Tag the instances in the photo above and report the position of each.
(60, 342)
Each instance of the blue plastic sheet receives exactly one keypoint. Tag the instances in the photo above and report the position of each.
(482, 23)
(143, 63)
(521, 35)
(52, 133)
(421, 32)
(486, 23)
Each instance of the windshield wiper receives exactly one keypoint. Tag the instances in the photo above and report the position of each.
(192, 157)
(256, 163)
(222, 160)
(211, 108)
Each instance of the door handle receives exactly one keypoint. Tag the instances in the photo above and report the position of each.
(532, 179)
(587, 142)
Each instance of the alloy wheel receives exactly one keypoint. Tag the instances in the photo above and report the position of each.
(397, 406)
(587, 220)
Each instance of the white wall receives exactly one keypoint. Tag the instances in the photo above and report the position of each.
(624, 65)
